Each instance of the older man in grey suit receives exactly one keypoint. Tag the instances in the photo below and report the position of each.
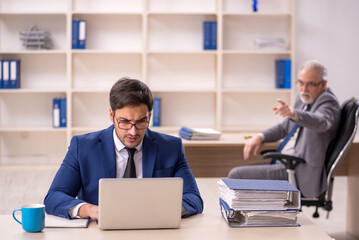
(317, 112)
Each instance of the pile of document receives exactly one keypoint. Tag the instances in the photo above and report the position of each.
(35, 39)
(199, 133)
(270, 43)
(259, 203)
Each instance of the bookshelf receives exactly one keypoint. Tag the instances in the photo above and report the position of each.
(160, 42)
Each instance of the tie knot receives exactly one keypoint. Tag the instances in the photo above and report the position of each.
(131, 151)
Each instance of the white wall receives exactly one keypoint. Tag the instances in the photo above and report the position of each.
(328, 31)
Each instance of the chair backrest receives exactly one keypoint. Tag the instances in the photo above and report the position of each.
(344, 138)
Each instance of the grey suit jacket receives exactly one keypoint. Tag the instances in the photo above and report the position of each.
(318, 128)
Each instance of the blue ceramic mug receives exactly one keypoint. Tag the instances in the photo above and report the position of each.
(32, 217)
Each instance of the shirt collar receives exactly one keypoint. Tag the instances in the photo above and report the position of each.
(119, 145)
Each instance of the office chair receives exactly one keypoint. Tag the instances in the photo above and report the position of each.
(334, 156)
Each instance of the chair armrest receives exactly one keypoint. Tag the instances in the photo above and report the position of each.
(267, 150)
(289, 161)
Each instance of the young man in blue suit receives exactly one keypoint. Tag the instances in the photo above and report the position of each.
(104, 154)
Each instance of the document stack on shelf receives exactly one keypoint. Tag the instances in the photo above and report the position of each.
(35, 39)
(199, 133)
(259, 203)
(270, 43)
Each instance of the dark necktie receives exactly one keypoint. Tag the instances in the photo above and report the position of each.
(288, 137)
(130, 171)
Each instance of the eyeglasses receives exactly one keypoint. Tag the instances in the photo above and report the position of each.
(300, 83)
(127, 125)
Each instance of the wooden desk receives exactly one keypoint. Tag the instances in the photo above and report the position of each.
(209, 225)
(215, 158)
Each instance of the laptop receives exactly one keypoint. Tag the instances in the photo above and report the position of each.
(140, 203)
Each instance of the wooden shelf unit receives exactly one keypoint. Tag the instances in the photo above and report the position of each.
(160, 42)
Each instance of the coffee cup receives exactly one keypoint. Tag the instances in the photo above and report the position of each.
(32, 217)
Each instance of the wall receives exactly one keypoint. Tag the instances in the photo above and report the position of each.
(326, 30)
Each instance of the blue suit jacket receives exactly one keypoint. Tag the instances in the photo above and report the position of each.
(92, 156)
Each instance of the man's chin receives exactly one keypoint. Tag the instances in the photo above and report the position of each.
(131, 144)
(306, 99)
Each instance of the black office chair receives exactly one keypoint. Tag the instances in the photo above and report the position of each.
(334, 156)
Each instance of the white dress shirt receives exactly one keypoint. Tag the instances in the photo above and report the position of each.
(121, 162)
(122, 156)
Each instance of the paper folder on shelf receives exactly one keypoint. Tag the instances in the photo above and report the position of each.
(59, 113)
(75, 33)
(82, 34)
(258, 218)
(156, 112)
(5, 73)
(1, 80)
(199, 133)
(79, 29)
(14, 73)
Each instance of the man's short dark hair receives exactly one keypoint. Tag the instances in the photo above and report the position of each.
(130, 92)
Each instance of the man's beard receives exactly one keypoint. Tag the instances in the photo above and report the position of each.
(308, 100)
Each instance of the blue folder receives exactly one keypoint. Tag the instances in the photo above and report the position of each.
(206, 35)
(82, 34)
(244, 218)
(14, 73)
(6, 73)
(55, 113)
(243, 194)
(75, 33)
(259, 185)
(283, 73)
(156, 112)
(1, 81)
(63, 112)
(59, 112)
(213, 38)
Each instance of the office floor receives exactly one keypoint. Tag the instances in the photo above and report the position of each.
(24, 184)
(334, 226)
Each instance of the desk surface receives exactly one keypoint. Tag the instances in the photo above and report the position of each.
(232, 139)
(209, 225)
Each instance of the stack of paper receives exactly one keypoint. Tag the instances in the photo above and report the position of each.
(52, 221)
(270, 43)
(35, 39)
(247, 203)
(199, 133)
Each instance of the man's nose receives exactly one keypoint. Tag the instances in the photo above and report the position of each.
(133, 130)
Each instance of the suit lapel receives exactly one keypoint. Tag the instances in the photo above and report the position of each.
(149, 154)
(107, 149)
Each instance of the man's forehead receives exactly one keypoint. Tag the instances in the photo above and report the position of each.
(309, 74)
(130, 116)
(136, 119)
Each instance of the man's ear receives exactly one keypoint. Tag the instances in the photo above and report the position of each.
(324, 84)
(111, 114)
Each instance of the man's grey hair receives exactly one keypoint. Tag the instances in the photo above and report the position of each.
(318, 67)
